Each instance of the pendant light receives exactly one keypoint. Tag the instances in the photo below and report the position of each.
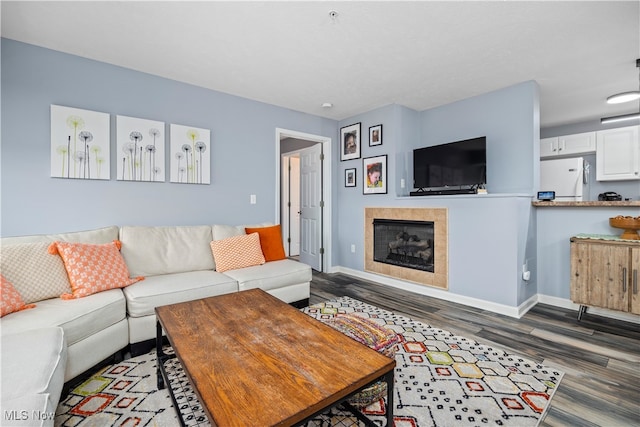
(624, 97)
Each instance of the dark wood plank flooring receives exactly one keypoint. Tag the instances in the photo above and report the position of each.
(600, 356)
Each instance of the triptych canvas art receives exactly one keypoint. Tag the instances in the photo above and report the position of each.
(81, 148)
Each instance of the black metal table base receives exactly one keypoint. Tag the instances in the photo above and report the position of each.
(163, 378)
(163, 381)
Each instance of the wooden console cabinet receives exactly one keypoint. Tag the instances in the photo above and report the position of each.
(604, 273)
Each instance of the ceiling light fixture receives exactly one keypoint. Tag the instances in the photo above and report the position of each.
(624, 97)
(621, 98)
(327, 105)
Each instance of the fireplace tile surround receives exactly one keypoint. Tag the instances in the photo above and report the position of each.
(439, 277)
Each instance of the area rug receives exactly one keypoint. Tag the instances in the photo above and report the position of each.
(440, 380)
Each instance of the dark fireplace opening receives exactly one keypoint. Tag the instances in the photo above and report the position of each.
(404, 243)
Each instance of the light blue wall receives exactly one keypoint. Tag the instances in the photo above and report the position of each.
(242, 139)
(490, 237)
(508, 118)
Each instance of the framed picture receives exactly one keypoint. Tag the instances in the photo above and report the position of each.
(190, 155)
(350, 177)
(140, 148)
(375, 175)
(375, 135)
(80, 143)
(350, 142)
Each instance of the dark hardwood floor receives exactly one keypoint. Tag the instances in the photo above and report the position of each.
(600, 356)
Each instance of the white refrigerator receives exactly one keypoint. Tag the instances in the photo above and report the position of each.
(564, 176)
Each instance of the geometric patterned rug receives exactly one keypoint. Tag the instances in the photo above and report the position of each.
(447, 380)
(440, 380)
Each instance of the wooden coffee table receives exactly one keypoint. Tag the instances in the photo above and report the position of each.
(254, 360)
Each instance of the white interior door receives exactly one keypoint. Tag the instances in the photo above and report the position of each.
(294, 209)
(290, 219)
(311, 206)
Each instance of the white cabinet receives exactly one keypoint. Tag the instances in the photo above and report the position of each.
(580, 143)
(618, 154)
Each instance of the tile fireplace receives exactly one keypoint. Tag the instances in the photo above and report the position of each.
(408, 244)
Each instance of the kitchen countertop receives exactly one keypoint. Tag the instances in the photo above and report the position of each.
(552, 204)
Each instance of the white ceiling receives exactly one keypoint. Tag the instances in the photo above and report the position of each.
(420, 54)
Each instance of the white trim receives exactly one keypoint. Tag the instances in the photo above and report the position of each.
(433, 292)
(506, 310)
(326, 185)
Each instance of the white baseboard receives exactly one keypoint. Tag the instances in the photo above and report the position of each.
(433, 292)
(506, 310)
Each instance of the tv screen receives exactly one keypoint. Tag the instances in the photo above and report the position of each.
(459, 164)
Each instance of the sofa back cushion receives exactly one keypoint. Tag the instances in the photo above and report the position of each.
(35, 273)
(221, 231)
(97, 236)
(149, 251)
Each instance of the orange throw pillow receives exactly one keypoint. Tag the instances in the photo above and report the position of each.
(270, 241)
(93, 268)
(237, 252)
(11, 299)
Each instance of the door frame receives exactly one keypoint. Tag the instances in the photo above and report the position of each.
(326, 186)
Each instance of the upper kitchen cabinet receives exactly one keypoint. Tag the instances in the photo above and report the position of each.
(618, 154)
(580, 143)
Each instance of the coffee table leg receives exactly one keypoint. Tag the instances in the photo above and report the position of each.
(159, 355)
(390, 383)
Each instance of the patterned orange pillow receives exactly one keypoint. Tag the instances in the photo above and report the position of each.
(11, 299)
(237, 252)
(93, 268)
(270, 242)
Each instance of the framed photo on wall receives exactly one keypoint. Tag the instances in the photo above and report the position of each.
(375, 135)
(350, 142)
(374, 171)
(350, 177)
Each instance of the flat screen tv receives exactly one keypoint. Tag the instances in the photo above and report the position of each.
(461, 164)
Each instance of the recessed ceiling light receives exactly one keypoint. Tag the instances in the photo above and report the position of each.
(620, 98)
(327, 105)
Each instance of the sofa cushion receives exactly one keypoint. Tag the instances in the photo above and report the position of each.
(93, 268)
(11, 299)
(99, 235)
(79, 318)
(154, 291)
(149, 251)
(33, 366)
(221, 231)
(270, 241)
(237, 252)
(34, 272)
(271, 275)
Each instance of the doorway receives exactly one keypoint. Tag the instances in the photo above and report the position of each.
(300, 168)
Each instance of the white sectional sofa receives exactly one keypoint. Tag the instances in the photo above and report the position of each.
(177, 265)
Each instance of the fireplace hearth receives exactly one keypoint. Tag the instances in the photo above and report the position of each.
(404, 243)
(408, 244)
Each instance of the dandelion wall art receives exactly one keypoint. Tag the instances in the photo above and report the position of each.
(140, 149)
(79, 143)
(190, 155)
